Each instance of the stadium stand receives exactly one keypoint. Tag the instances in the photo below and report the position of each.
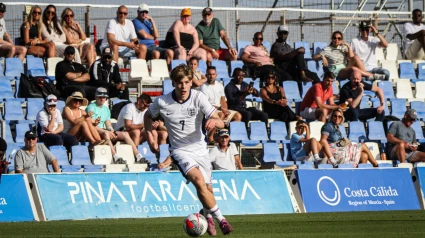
(235, 64)
(176, 62)
(419, 106)
(102, 155)
(60, 153)
(80, 155)
(387, 89)
(138, 69)
(292, 91)
(241, 47)
(125, 152)
(238, 131)
(202, 66)
(34, 105)
(14, 67)
(376, 131)
(6, 90)
(271, 152)
(393, 52)
(278, 132)
(159, 68)
(357, 132)
(318, 46)
(221, 69)
(398, 107)
(407, 71)
(306, 45)
(13, 110)
(267, 45)
(35, 67)
(315, 129)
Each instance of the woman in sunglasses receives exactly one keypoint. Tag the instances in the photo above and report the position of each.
(340, 150)
(52, 31)
(31, 36)
(76, 37)
(340, 59)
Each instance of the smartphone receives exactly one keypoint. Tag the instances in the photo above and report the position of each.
(357, 84)
(251, 84)
(136, 42)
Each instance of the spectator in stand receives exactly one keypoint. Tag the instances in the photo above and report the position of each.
(130, 120)
(319, 100)
(105, 73)
(210, 31)
(414, 37)
(337, 53)
(351, 94)
(76, 37)
(50, 125)
(364, 46)
(225, 156)
(7, 48)
(289, 60)
(258, 56)
(147, 32)
(77, 122)
(101, 119)
(31, 36)
(236, 92)
(275, 103)
(216, 96)
(34, 157)
(52, 31)
(71, 76)
(121, 36)
(402, 139)
(198, 77)
(303, 147)
(182, 37)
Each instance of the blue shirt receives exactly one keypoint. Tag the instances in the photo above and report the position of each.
(147, 26)
(233, 94)
(295, 144)
(334, 134)
(102, 112)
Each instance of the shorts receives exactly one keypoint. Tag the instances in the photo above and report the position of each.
(126, 52)
(409, 156)
(336, 68)
(309, 113)
(299, 155)
(415, 51)
(159, 49)
(229, 118)
(223, 54)
(186, 161)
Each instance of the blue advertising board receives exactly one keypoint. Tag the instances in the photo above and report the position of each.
(156, 194)
(420, 173)
(338, 190)
(15, 199)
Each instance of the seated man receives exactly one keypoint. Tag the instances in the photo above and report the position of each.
(236, 92)
(352, 93)
(318, 102)
(50, 126)
(7, 48)
(71, 76)
(101, 118)
(216, 96)
(289, 60)
(414, 37)
(121, 36)
(210, 31)
(403, 139)
(34, 157)
(130, 120)
(364, 46)
(225, 156)
(105, 73)
(147, 32)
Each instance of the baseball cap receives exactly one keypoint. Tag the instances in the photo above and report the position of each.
(364, 25)
(107, 51)
(101, 92)
(143, 7)
(412, 114)
(69, 50)
(51, 100)
(2, 7)
(224, 132)
(30, 134)
(282, 28)
(207, 10)
(186, 12)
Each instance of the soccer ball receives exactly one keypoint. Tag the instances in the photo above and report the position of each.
(195, 225)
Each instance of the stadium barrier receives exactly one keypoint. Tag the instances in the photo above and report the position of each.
(343, 190)
(419, 173)
(16, 203)
(152, 194)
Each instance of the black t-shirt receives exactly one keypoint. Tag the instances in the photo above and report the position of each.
(347, 92)
(64, 67)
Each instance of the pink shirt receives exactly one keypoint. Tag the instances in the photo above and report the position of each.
(258, 54)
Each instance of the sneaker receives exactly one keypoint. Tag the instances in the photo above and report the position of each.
(143, 161)
(225, 227)
(120, 161)
(379, 76)
(211, 225)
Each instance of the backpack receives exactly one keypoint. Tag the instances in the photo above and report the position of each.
(27, 89)
(116, 109)
(45, 88)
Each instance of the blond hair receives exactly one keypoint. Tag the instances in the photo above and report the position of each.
(180, 72)
(30, 18)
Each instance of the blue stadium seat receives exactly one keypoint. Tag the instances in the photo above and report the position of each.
(271, 152)
(315, 67)
(167, 86)
(306, 166)
(164, 152)
(202, 66)
(35, 67)
(93, 168)
(335, 87)
(325, 166)
(376, 102)
(419, 106)
(147, 153)
(238, 131)
(60, 105)
(407, 71)
(116, 101)
(376, 131)
(241, 47)
(421, 71)
(292, 91)
(385, 165)
(343, 82)
(5, 89)
(306, 86)
(364, 103)
(225, 82)
(267, 45)
(365, 166)
(1, 71)
(221, 68)
(398, 107)
(70, 168)
(258, 131)
(8, 133)
(80, 155)
(387, 88)
(235, 64)
(419, 132)
(13, 110)
(357, 131)
(318, 46)
(345, 166)
(224, 46)
(306, 45)
(14, 67)
(175, 63)
(34, 105)
(21, 128)
(60, 153)
(278, 132)
(343, 131)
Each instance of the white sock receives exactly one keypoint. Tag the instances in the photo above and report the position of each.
(372, 77)
(206, 213)
(216, 213)
(316, 157)
(332, 159)
(116, 156)
(139, 156)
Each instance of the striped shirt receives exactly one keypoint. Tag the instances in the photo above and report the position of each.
(335, 55)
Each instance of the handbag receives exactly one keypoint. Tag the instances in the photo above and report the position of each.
(343, 142)
(28, 89)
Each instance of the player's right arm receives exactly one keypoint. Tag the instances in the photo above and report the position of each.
(214, 121)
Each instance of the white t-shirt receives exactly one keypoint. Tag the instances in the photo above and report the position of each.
(184, 120)
(214, 92)
(366, 50)
(224, 160)
(2, 28)
(43, 119)
(122, 33)
(130, 112)
(410, 28)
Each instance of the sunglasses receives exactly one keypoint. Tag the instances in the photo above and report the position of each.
(123, 13)
(36, 13)
(51, 13)
(52, 100)
(32, 138)
(256, 38)
(143, 12)
(70, 15)
(107, 57)
(77, 100)
(271, 77)
(2, 11)
(283, 32)
(336, 38)
(336, 116)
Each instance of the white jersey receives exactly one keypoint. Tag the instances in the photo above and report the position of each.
(184, 120)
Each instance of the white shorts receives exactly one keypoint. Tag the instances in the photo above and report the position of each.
(308, 113)
(415, 51)
(189, 160)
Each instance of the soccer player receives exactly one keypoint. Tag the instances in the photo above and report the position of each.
(183, 111)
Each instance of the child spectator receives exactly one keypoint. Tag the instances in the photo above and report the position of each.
(302, 145)
(198, 77)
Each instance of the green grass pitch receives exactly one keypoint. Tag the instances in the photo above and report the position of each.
(356, 224)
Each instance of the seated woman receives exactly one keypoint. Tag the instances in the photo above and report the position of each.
(340, 59)
(337, 152)
(77, 122)
(76, 37)
(275, 103)
(31, 35)
(52, 31)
